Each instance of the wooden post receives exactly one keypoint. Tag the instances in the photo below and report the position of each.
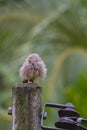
(26, 110)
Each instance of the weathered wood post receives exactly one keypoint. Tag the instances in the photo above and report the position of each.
(26, 110)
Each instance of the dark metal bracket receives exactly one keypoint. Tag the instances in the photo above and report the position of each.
(54, 105)
(73, 122)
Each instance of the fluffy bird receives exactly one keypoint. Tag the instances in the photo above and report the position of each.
(33, 69)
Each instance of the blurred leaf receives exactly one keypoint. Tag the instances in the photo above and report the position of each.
(77, 94)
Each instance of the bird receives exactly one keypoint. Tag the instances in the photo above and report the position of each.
(33, 69)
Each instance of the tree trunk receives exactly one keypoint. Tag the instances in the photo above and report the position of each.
(26, 110)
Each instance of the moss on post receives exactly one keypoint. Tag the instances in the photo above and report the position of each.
(26, 110)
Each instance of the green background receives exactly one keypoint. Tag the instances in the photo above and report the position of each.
(57, 31)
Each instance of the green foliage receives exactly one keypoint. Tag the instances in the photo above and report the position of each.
(77, 94)
(57, 30)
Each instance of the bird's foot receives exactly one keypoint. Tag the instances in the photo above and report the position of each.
(25, 81)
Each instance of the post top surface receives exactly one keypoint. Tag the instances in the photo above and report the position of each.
(26, 85)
